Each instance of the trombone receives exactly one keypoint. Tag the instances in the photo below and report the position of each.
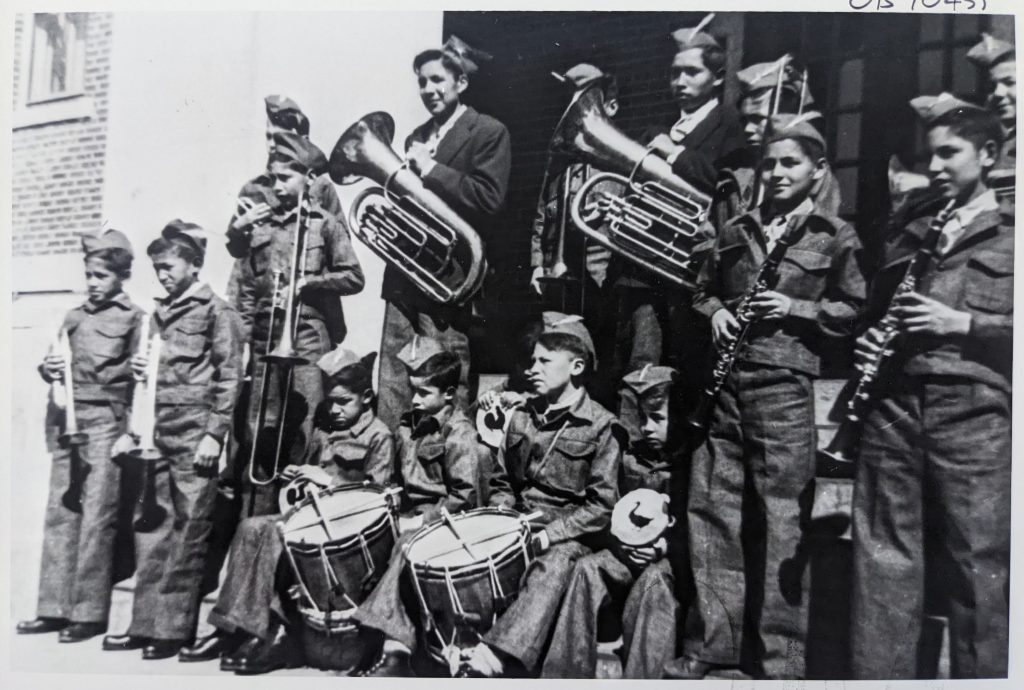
(285, 354)
(62, 393)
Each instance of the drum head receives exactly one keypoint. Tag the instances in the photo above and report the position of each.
(640, 517)
(487, 533)
(304, 525)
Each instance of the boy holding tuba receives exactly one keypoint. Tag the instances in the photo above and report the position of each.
(78, 545)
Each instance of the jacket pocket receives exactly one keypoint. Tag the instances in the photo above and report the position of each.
(802, 274)
(989, 282)
(188, 339)
(315, 252)
(111, 339)
(568, 466)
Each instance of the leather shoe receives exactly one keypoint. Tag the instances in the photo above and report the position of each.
(230, 661)
(41, 625)
(685, 668)
(123, 643)
(264, 657)
(79, 632)
(162, 649)
(387, 665)
(213, 646)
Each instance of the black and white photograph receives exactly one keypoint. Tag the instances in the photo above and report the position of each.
(658, 342)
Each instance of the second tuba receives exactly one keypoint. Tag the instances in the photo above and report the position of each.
(655, 222)
(402, 221)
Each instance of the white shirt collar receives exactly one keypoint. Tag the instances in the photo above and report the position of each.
(976, 206)
(189, 291)
(688, 121)
(439, 133)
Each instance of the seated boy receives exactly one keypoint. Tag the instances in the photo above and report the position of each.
(561, 456)
(349, 445)
(638, 577)
(442, 465)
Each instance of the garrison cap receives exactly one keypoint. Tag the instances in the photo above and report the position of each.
(286, 113)
(418, 350)
(292, 148)
(990, 51)
(468, 57)
(339, 358)
(581, 75)
(696, 37)
(931, 108)
(649, 376)
(105, 238)
(189, 233)
(764, 76)
(792, 126)
(557, 322)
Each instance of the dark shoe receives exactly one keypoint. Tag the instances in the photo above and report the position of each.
(162, 649)
(79, 632)
(41, 625)
(232, 660)
(123, 643)
(213, 646)
(685, 668)
(386, 665)
(264, 657)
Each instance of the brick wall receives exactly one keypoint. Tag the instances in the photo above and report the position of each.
(57, 167)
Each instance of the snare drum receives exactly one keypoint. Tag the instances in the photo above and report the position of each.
(338, 542)
(331, 640)
(466, 570)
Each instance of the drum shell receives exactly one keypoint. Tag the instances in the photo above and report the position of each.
(331, 643)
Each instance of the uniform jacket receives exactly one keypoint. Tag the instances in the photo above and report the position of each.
(441, 464)
(331, 270)
(472, 166)
(643, 468)
(200, 357)
(365, 451)
(567, 467)
(103, 339)
(976, 276)
(821, 273)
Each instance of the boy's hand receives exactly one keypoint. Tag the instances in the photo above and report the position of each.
(139, 364)
(541, 541)
(868, 348)
(409, 524)
(920, 314)
(208, 453)
(535, 277)
(724, 327)
(123, 445)
(487, 400)
(510, 400)
(313, 473)
(663, 145)
(419, 158)
(253, 213)
(53, 367)
(769, 305)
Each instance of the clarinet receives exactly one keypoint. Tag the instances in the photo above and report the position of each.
(766, 276)
(844, 444)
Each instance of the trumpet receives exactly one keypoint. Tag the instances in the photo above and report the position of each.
(656, 221)
(143, 426)
(284, 355)
(62, 392)
(403, 222)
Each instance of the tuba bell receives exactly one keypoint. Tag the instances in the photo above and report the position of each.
(403, 222)
(656, 220)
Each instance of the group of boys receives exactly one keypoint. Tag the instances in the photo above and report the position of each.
(724, 590)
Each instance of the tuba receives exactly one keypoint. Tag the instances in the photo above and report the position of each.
(656, 221)
(403, 222)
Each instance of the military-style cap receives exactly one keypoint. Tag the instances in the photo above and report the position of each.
(792, 126)
(990, 51)
(468, 57)
(339, 358)
(557, 322)
(649, 376)
(764, 76)
(418, 350)
(182, 231)
(695, 37)
(284, 112)
(105, 238)
(931, 108)
(292, 148)
(580, 75)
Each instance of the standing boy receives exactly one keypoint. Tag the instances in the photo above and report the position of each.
(197, 383)
(78, 538)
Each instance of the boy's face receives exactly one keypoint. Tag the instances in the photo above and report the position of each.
(440, 90)
(1004, 90)
(788, 173)
(957, 166)
(552, 370)
(692, 83)
(754, 114)
(654, 425)
(344, 407)
(174, 273)
(288, 183)
(427, 399)
(100, 281)
(271, 132)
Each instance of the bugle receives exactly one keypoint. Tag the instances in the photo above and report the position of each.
(143, 426)
(62, 393)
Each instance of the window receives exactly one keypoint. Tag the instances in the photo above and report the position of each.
(58, 56)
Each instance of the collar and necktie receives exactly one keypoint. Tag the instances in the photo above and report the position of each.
(439, 133)
(776, 226)
(958, 221)
(688, 122)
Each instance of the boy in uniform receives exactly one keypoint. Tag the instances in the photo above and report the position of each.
(197, 384)
(465, 158)
(349, 445)
(330, 270)
(78, 539)
(442, 466)
(932, 489)
(634, 584)
(999, 59)
(761, 431)
(562, 456)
